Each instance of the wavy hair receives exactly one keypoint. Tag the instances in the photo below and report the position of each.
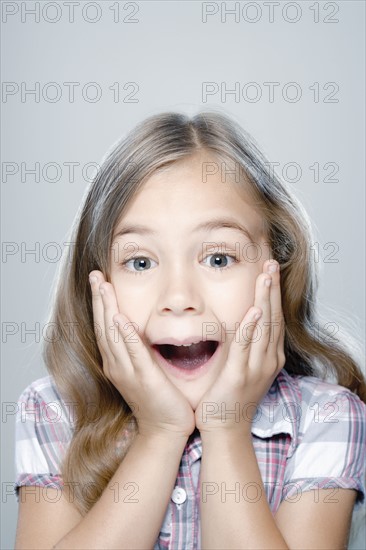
(104, 424)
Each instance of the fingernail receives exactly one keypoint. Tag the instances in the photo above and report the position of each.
(268, 282)
(272, 268)
(257, 316)
(92, 279)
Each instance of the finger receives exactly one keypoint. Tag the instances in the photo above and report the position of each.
(262, 301)
(240, 347)
(96, 278)
(139, 355)
(114, 340)
(276, 341)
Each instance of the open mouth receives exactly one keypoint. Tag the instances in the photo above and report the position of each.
(188, 357)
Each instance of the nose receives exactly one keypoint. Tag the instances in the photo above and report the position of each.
(180, 293)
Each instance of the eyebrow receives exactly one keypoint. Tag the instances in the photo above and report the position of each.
(215, 223)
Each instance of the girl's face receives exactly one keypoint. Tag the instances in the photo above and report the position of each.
(178, 281)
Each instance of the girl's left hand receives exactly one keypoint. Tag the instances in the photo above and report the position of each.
(256, 356)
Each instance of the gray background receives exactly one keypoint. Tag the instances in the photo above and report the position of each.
(169, 52)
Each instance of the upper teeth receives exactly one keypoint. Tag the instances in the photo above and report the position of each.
(187, 345)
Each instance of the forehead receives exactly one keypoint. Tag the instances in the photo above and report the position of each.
(192, 190)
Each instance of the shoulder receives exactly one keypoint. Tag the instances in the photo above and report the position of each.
(313, 397)
(43, 427)
(310, 384)
(328, 403)
(305, 406)
(41, 401)
(330, 443)
(326, 412)
(44, 386)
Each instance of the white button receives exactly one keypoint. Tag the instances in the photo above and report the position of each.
(179, 495)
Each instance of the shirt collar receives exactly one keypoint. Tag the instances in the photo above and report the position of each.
(278, 412)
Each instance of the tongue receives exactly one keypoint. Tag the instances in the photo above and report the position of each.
(188, 358)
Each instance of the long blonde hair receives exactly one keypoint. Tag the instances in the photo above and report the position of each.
(103, 418)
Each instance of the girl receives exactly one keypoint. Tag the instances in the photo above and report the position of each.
(187, 404)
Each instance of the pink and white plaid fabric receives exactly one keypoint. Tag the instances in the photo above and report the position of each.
(307, 434)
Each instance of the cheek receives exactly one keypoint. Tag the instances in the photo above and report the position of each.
(233, 300)
(132, 305)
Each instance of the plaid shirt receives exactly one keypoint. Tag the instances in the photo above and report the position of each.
(307, 434)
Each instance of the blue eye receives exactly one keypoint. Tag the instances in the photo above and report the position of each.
(139, 263)
(219, 259)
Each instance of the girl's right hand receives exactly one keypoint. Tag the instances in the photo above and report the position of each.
(158, 406)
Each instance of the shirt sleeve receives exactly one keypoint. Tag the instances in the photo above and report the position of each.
(331, 449)
(42, 434)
